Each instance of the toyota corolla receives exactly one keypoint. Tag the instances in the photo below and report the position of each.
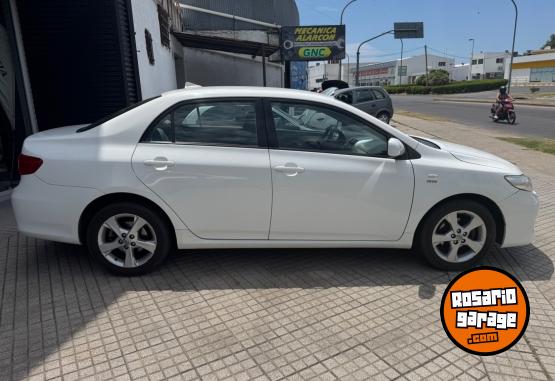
(225, 167)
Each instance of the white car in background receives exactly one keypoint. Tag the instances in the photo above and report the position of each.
(240, 167)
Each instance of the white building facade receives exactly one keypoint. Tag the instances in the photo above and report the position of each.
(490, 65)
(321, 71)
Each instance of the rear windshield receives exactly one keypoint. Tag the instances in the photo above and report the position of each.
(115, 114)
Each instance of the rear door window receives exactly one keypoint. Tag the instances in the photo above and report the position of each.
(378, 94)
(227, 123)
(364, 95)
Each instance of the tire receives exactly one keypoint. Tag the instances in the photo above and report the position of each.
(384, 117)
(149, 245)
(437, 240)
(511, 118)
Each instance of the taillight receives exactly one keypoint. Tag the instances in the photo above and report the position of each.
(28, 164)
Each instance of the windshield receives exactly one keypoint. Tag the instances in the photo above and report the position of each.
(329, 91)
(115, 114)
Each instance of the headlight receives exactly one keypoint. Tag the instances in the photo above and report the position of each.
(520, 182)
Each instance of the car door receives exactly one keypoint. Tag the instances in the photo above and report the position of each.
(333, 180)
(382, 102)
(365, 101)
(208, 161)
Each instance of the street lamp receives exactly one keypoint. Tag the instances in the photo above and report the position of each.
(358, 52)
(513, 49)
(341, 23)
(348, 68)
(471, 57)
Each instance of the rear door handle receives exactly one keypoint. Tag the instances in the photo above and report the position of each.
(289, 170)
(159, 163)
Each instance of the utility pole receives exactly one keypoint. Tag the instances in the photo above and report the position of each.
(401, 68)
(513, 49)
(471, 58)
(341, 23)
(426, 55)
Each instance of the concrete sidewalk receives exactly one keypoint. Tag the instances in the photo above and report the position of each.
(331, 314)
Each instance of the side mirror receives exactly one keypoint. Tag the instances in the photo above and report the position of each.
(395, 148)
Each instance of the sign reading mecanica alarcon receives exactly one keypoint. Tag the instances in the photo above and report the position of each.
(313, 43)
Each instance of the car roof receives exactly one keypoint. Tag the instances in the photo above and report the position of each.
(357, 88)
(242, 91)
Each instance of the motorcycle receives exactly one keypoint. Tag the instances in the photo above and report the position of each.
(507, 112)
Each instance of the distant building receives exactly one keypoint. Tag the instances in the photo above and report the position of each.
(534, 69)
(459, 72)
(321, 71)
(489, 65)
(390, 72)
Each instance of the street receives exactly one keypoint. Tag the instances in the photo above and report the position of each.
(535, 121)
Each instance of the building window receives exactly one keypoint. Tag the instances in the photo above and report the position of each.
(499, 60)
(480, 61)
(542, 74)
(164, 21)
(441, 63)
(149, 48)
(474, 62)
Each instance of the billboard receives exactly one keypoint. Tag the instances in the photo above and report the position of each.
(408, 30)
(313, 43)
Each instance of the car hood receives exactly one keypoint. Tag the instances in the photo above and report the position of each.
(475, 156)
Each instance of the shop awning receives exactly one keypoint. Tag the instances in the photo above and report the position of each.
(230, 45)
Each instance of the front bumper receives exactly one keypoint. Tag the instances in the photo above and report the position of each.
(520, 211)
(48, 211)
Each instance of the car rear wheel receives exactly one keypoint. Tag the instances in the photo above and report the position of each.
(384, 117)
(457, 235)
(128, 238)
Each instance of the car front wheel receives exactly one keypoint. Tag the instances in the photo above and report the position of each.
(457, 235)
(128, 239)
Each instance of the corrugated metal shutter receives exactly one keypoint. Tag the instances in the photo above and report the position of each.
(79, 55)
(282, 12)
(128, 51)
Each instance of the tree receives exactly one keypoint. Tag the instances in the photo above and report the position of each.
(421, 81)
(550, 42)
(438, 77)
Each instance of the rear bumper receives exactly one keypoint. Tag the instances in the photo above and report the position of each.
(50, 212)
(520, 211)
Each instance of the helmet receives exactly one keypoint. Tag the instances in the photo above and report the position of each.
(502, 89)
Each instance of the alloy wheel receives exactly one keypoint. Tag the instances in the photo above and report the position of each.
(459, 236)
(127, 240)
(384, 117)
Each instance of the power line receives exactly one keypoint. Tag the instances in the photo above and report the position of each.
(395, 53)
(447, 54)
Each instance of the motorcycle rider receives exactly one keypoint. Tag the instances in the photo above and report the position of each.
(502, 96)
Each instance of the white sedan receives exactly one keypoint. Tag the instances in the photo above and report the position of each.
(241, 167)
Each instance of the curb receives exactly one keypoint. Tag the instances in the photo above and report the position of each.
(491, 102)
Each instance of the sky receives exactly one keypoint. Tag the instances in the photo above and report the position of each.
(448, 25)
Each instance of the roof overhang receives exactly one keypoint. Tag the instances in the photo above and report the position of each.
(223, 44)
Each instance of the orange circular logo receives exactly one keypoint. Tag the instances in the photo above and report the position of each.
(485, 311)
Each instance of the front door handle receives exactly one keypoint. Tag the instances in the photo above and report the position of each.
(289, 170)
(159, 163)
